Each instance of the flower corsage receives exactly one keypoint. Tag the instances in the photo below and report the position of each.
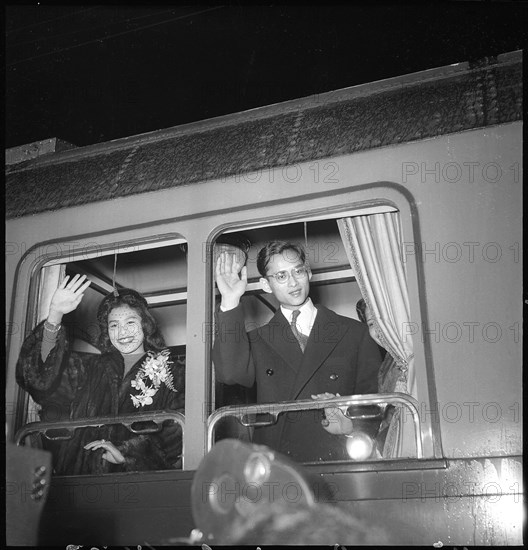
(154, 371)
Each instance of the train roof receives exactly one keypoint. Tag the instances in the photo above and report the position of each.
(421, 105)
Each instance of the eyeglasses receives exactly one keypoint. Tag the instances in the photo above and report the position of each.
(297, 273)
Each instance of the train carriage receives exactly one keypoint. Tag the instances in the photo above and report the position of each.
(439, 151)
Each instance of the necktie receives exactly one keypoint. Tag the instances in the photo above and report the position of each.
(301, 338)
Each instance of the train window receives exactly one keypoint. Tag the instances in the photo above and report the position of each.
(337, 395)
(101, 411)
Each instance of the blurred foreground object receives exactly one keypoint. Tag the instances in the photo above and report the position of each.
(27, 483)
(248, 494)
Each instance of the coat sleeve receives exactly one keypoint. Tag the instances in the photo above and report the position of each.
(52, 383)
(368, 364)
(161, 451)
(232, 357)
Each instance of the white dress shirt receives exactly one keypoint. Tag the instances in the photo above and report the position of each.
(306, 317)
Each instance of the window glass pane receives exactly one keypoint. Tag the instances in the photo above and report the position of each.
(290, 421)
(141, 433)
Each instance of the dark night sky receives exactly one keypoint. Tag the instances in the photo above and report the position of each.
(88, 74)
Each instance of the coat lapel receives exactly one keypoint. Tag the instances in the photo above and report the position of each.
(125, 388)
(279, 336)
(113, 366)
(326, 333)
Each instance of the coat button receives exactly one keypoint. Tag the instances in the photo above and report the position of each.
(269, 372)
(334, 376)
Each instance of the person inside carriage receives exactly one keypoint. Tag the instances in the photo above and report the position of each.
(135, 372)
(304, 352)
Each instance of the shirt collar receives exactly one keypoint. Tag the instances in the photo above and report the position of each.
(307, 311)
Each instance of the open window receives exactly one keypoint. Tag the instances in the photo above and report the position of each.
(336, 285)
(158, 271)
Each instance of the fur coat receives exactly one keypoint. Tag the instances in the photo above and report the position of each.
(74, 385)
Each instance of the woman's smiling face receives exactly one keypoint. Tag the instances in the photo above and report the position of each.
(125, 330)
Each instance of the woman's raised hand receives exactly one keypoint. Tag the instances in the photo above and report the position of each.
(67, 297)
(231, 279)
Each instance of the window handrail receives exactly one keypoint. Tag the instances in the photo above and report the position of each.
(127, 420)
(274, 409)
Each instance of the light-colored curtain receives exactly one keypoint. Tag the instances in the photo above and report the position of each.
(50, 278)
(373, 245)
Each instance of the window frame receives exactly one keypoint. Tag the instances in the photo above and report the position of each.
(410, 229)
(90, 251)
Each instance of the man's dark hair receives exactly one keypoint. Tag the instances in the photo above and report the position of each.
(361, 308)
(293, 252)
(127, 297)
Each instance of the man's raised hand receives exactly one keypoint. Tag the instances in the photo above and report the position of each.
(231, 279)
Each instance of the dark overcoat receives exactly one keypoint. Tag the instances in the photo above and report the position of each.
(73, 385)
(340, 357)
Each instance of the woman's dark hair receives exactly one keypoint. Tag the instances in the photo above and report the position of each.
(361, 308)
(127, 297)
(278, 247)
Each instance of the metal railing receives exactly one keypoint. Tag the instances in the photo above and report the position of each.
(243, 413)
(136, 423)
